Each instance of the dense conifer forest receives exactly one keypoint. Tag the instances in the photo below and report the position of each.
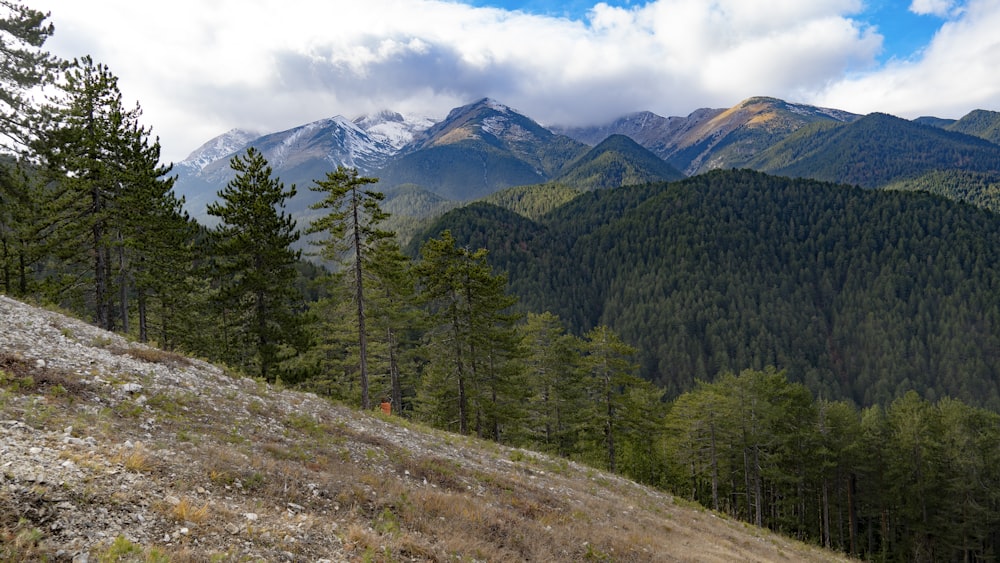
(861, 295)
(816, 358)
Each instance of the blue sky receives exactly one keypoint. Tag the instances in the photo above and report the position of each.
(201, 68)
(905, 32)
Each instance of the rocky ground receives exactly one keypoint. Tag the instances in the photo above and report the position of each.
(113, 451)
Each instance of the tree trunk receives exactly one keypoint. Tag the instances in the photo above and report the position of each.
(852, 514)
(100, 281)
(359, 294)
(143, 333)
(362, 335)
(397, 388)
(715, 468)
(123, 286)
(610, 429)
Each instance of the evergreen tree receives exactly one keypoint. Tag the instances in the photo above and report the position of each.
(395, 319)
(23, 65)
(256, 266)
(555, 378)
(352, 234)
(20, 247)
(471, 340)
(612, 375)
(109, 190)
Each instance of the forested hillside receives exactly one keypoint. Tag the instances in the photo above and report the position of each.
(981, 189)
(860, 295)
(810, 357)
(875, 150)
(615, 162)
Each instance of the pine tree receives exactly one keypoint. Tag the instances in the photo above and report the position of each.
(611, 373)
(352, 234)
(256, 266)
(472, 339)
(23, 65)
(555, 376)
(109, 187)
(20, 247)
(393, 313)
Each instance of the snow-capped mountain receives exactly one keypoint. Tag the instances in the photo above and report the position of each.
(298, 155)
(478, 149)
(393, 128)
(222, 146)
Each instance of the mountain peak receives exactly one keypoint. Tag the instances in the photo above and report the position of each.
(392, 127)
(618, 161)
(219, 147)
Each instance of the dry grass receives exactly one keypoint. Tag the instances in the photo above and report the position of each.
(153, 355)
(187, 511)
(136, 459)
(270, 474)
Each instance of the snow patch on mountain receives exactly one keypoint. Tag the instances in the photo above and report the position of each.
(222, 146)
(496, 106)
(393, 128)
(501, 127)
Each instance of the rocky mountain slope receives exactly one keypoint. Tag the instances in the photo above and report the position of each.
(710, 139)
(112, 449)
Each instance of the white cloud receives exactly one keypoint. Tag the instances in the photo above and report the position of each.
(200, 68)
(955, 74)
(940, 8)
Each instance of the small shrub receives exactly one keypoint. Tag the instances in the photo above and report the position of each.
(23, 543)
(254, 481)
(154, 356)
(387, 522)
(305, 423)
(120, 550)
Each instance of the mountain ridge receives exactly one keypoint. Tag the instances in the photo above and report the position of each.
(485, 146)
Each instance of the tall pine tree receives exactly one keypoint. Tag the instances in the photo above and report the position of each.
(256, 266)
(110, 198)
(351, 236)
(472, 340)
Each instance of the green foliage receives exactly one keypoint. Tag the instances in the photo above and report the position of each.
(354, 240)
(375, 279)
(532, 201)
(860, 295)
(23, 65)
(915, 481)
(255, 266)
(470, 380)
(980, 123)
(981, 189)
(20, 214)
(458, 170)
(874, 151)
(615, 162)
(410, 207)
(109, 193)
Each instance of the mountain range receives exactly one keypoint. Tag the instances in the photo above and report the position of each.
(486, 147)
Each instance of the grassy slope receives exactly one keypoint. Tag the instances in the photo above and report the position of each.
(182, 460)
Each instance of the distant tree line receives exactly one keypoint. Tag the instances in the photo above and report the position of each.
(90, 222)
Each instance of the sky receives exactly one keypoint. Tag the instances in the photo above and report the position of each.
(199, 68)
